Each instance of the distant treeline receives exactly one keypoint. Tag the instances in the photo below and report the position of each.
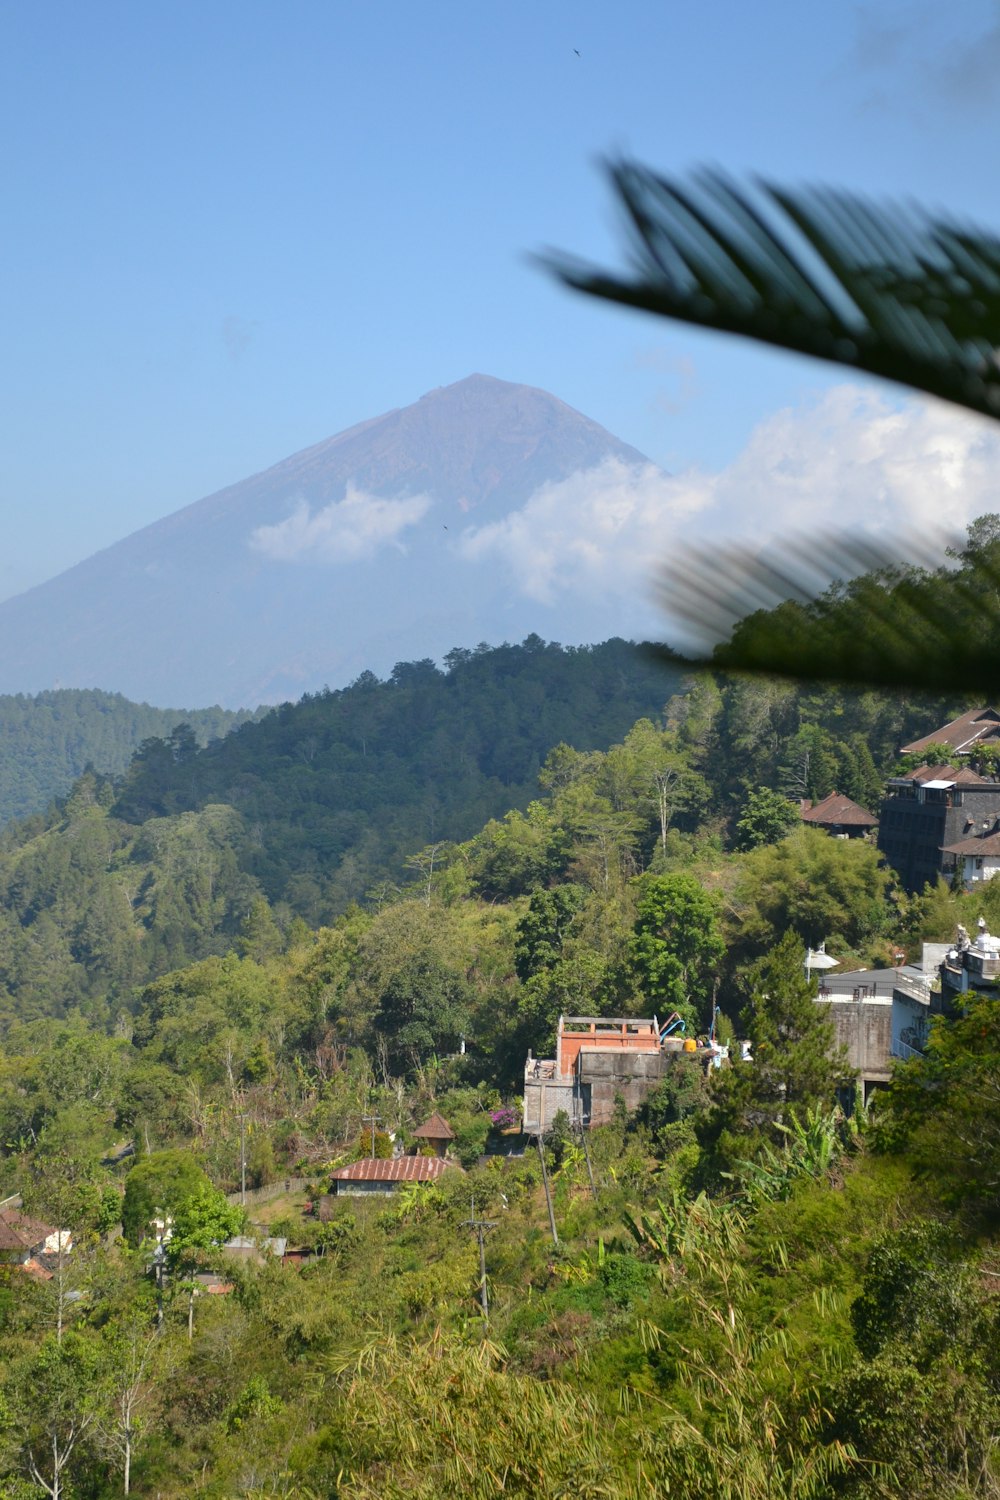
(48, 739)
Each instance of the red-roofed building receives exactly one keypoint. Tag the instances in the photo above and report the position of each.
(22, 1238)
(840, 817)
(370, 1175)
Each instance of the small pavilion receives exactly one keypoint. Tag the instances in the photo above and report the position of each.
(438, 1132)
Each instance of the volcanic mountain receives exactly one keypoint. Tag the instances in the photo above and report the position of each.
(377, 545)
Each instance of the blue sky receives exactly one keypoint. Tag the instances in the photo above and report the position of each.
(234, 229)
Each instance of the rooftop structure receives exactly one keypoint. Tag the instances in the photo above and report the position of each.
(971, 963)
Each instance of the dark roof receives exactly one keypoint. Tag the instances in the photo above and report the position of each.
(400, 1169)
(436, 1129)
(840, 810)
(986, 843)
(960, 775)
(18, 1231)
(968, 729)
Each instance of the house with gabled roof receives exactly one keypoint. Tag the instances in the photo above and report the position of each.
(24, 1238)
(373, 1175)
(437, 1132)
(976, 726)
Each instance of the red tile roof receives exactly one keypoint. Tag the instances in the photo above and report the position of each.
(839, 809)
(400, 1169)
(436, 1129)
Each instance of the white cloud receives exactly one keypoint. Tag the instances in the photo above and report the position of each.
(348, 530)
(592, 531)
(850, 460)
(854, 459)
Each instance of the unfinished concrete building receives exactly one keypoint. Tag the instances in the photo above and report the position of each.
(598, 1060)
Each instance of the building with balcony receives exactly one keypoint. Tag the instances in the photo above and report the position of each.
(930, 810)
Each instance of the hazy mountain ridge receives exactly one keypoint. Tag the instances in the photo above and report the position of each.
(338, 559)
(47, 740)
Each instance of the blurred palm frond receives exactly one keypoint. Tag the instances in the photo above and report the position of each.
(887, 288)
(840, 609)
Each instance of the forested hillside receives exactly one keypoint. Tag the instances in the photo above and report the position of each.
(757, 1295)
(49, 739)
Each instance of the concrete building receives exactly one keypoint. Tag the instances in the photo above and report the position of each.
(883, 1015)
(598, 1060)
(930, 810)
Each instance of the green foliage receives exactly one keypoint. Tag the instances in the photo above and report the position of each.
(48, 740)
(164, 1181)
(794, 1069)
(678, 945)
(203, 1221)
(767, 816)
(822, 889)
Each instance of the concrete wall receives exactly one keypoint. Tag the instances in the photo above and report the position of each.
(864, 1028)
(606, 1075)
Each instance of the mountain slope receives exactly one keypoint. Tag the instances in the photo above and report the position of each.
(343, 557)
(47, 741)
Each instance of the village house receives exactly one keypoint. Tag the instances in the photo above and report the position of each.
(598, 1060)
(839, 816)
(881, 1015)
(372, 1175)
(30, 1244)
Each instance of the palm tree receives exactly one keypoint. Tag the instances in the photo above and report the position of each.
(888, 289)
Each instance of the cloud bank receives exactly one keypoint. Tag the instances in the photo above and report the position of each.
(850, 460)
(349, 530)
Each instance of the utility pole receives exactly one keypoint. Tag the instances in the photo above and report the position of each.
(481, 1226)
(581, 1127)
(548, 1191)
(365, 1119)
(243, 1160)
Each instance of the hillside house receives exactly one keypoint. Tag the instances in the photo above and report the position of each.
(372, 1175)
(599, 1059)
(24, 1239)
(839, 816)
(881, 1015)
(979, 726)
(975, 859)
(929, 811)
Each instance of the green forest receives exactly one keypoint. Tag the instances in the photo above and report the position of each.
(254, 962)
(47, 740)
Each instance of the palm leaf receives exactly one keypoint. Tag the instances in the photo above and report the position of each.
(789, 612)
(895, 291)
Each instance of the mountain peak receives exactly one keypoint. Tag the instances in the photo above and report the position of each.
(340, 558)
